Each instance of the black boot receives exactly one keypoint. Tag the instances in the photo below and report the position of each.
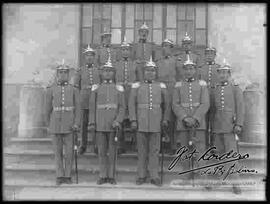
(140, 181)
(111, 181)
(59, 181)
(96, 150)
(156, 181)
(68, 180)
(101, 181)
(236, 189)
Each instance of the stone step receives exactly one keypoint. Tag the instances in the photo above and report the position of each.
(178, 184)
(47, 157)
(90, 173)
(45, 144)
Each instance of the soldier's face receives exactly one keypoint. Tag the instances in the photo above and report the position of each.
(210, 56)
(107, 74)
(149, 74)
(187, 46)
(107, 39)
(125, 51)
(189, 71)
(223, 75)
(89, 57)
(143, 34)
(62, 75)
(166, 49)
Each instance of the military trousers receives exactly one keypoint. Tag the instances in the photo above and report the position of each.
(224, 143)
(106, 153)
(148, 144)
(199, 144)
(63, 160)
(85, 134)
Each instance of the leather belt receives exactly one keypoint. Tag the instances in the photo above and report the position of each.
(106, 106)
(186, 105)
(146, 105)
(63, 108)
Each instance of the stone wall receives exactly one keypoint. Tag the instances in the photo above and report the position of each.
(237, 31)
(36, 36)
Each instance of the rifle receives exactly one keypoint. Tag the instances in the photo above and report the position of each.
(191, 134)
(75, 142)
(115, 149)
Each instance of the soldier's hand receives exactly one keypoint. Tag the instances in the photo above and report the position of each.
(237, 129)
(134, 125)
(75, 128)
(188, 121)
(115, 124)
(82, 149)
(91, 127)
(165, 124)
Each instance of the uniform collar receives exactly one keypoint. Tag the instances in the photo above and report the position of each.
(142, 40)
(125, 58)
(190, 79)
(210, 63)
(108, 81)
(89, 65)
(224, 83)
(62, 83)
(148, 81)
(107, 46)
(167, 57)
(188, 52)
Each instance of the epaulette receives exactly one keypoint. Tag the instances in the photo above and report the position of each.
(178, 84)
(94, 87)
(119, 87)
(135, 85)
(202, 82)
(162, 85)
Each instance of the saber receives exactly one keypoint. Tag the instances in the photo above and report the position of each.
(75, 139)
(115, 151)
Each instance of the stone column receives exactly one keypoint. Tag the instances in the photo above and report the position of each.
(254, 128)
(31, 122)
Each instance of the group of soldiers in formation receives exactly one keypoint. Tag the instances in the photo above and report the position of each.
(173, 93)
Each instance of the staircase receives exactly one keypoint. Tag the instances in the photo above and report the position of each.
(30, 162)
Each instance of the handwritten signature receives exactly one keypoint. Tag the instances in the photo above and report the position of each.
(209, 155)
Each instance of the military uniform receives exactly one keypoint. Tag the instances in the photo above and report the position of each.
(208, 72)
(227, 111)
(141, 53)
(167, 73)
(63, 113)
(191, 99)
(107, 104)
(104, 51)
(85, 77)
(182, 58)
(145, 108)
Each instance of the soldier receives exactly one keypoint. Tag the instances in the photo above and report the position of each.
(187, 48)
(106, 50)
(146, 115)
(167, 73)
(85, 77)
(227, 111)
(142, 50)
(190, 104)
(126, 74)
(63, 116)
(208, 72)
(106, 112)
